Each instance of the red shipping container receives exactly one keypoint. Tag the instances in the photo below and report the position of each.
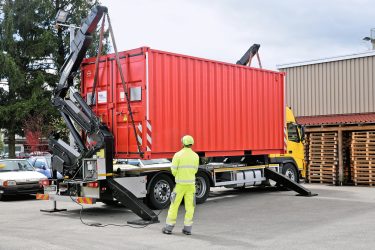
(229, 109)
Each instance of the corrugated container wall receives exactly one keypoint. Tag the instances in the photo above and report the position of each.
(228, 109)
(342, 86)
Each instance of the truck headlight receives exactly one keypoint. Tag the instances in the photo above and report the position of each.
(9, 183)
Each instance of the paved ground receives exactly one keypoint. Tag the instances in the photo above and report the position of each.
(339, 218)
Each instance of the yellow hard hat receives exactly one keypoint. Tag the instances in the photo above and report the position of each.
(187, 140)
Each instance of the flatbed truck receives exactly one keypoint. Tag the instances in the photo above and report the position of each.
(89, 170)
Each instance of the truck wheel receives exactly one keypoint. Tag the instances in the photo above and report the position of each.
(160, 189)
(290, 171)
(202, 186)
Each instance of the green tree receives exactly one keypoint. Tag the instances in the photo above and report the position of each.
(1, 142)
(32, 50)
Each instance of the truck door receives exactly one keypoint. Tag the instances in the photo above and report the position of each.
(295, 145)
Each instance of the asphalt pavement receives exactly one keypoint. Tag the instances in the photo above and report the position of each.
(339, 218)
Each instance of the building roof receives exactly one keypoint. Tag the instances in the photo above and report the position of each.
(336, 119)
(325, 60)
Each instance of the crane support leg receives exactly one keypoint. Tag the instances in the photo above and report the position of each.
(286, 182)
(138, 207)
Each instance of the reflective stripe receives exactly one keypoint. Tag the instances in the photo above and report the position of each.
(169, 227)
(139, 139)
(149, 139)
(186, 181)
(84, 200)
(149, 126)
(191, 167)
(188, 225)
(170, 222)
(186, 167)
(42, 196)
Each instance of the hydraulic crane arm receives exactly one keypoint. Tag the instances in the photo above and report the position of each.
(65, 158)
(81, 43)
(248, 56)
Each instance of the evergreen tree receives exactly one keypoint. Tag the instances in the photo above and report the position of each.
(1, 142)
(32, 49)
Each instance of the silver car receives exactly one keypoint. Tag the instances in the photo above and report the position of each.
(17, 176)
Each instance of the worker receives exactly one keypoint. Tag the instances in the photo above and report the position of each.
(184, 167)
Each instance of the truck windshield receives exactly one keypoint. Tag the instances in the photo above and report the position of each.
(12, 166)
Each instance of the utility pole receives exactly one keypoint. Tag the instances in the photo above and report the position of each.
(371, 38)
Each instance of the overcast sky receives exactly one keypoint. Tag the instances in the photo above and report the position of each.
(288, 30)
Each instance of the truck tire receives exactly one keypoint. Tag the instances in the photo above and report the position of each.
(202, 186)
(290, 171)
(160, 191)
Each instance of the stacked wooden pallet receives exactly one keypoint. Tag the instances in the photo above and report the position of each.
(346, 142)
(323, 157)
(306, 144)
(363, 158)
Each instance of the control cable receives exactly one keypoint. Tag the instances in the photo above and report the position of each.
(98, 224)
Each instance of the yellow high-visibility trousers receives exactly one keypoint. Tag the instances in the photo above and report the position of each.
(186, 192)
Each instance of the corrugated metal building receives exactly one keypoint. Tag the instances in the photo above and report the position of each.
(338, 85)
(335, 99)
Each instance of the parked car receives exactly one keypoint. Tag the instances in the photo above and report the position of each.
(17, 176)
(43, 165)
(22, 155)
(40, 153)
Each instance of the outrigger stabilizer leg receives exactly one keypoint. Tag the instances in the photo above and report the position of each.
(138, 207)
(54, 209)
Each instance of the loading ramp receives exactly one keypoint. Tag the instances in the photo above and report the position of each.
(286, 182)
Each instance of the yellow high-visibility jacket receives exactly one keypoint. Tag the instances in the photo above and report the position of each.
(184, 166)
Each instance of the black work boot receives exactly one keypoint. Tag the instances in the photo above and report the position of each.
(167, 229)
(187, 230)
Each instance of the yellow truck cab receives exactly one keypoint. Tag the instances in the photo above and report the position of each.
(293, 160)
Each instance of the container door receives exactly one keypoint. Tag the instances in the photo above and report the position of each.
(103, 101)
(125, 137)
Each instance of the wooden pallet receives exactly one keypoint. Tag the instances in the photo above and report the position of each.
(362, 158)
(323, 157)
(346, 141)
(306, 147)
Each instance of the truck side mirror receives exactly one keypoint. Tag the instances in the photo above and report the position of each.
(302, 131)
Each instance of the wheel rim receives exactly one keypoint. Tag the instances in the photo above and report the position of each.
(290, 174)
(162, 191)
(200, 187)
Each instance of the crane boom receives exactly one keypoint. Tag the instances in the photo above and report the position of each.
(65, 158)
